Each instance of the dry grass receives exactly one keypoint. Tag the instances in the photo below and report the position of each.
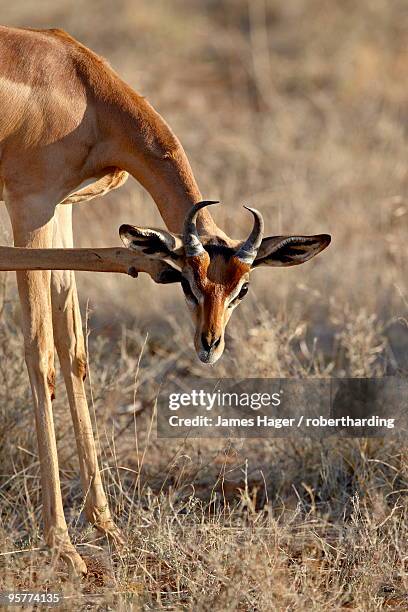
(297, 108)
(220, 524)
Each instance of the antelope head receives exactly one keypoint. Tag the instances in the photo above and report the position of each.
(214, 272)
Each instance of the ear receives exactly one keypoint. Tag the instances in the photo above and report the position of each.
(156, 243)
(290, 250)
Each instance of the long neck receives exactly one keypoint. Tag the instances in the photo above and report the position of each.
(141, 142)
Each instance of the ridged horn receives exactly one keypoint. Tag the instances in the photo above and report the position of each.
(191, 239)
(247, 252)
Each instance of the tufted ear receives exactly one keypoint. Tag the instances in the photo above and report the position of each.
(290, 250)
(156, 243)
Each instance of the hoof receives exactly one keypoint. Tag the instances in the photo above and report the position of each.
(74, 561)
(113, 533)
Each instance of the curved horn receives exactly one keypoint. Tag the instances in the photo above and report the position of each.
(247, 252)
(191, 240)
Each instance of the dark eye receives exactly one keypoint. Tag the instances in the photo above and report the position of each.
(244, 291)
(187, 290)
(241, 294)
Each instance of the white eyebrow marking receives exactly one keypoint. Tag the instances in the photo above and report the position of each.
(190, 279)
(237, 290)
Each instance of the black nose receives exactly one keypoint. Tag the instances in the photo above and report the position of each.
(212, 344)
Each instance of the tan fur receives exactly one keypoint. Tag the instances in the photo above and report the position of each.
(111, 178)
(71, 130)
(67, 119)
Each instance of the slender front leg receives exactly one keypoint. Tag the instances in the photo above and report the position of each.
(35, 298)
(69, 341)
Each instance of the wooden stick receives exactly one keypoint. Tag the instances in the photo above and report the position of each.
(119, 260)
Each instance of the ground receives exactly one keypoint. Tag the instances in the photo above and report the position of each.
(296, 108)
